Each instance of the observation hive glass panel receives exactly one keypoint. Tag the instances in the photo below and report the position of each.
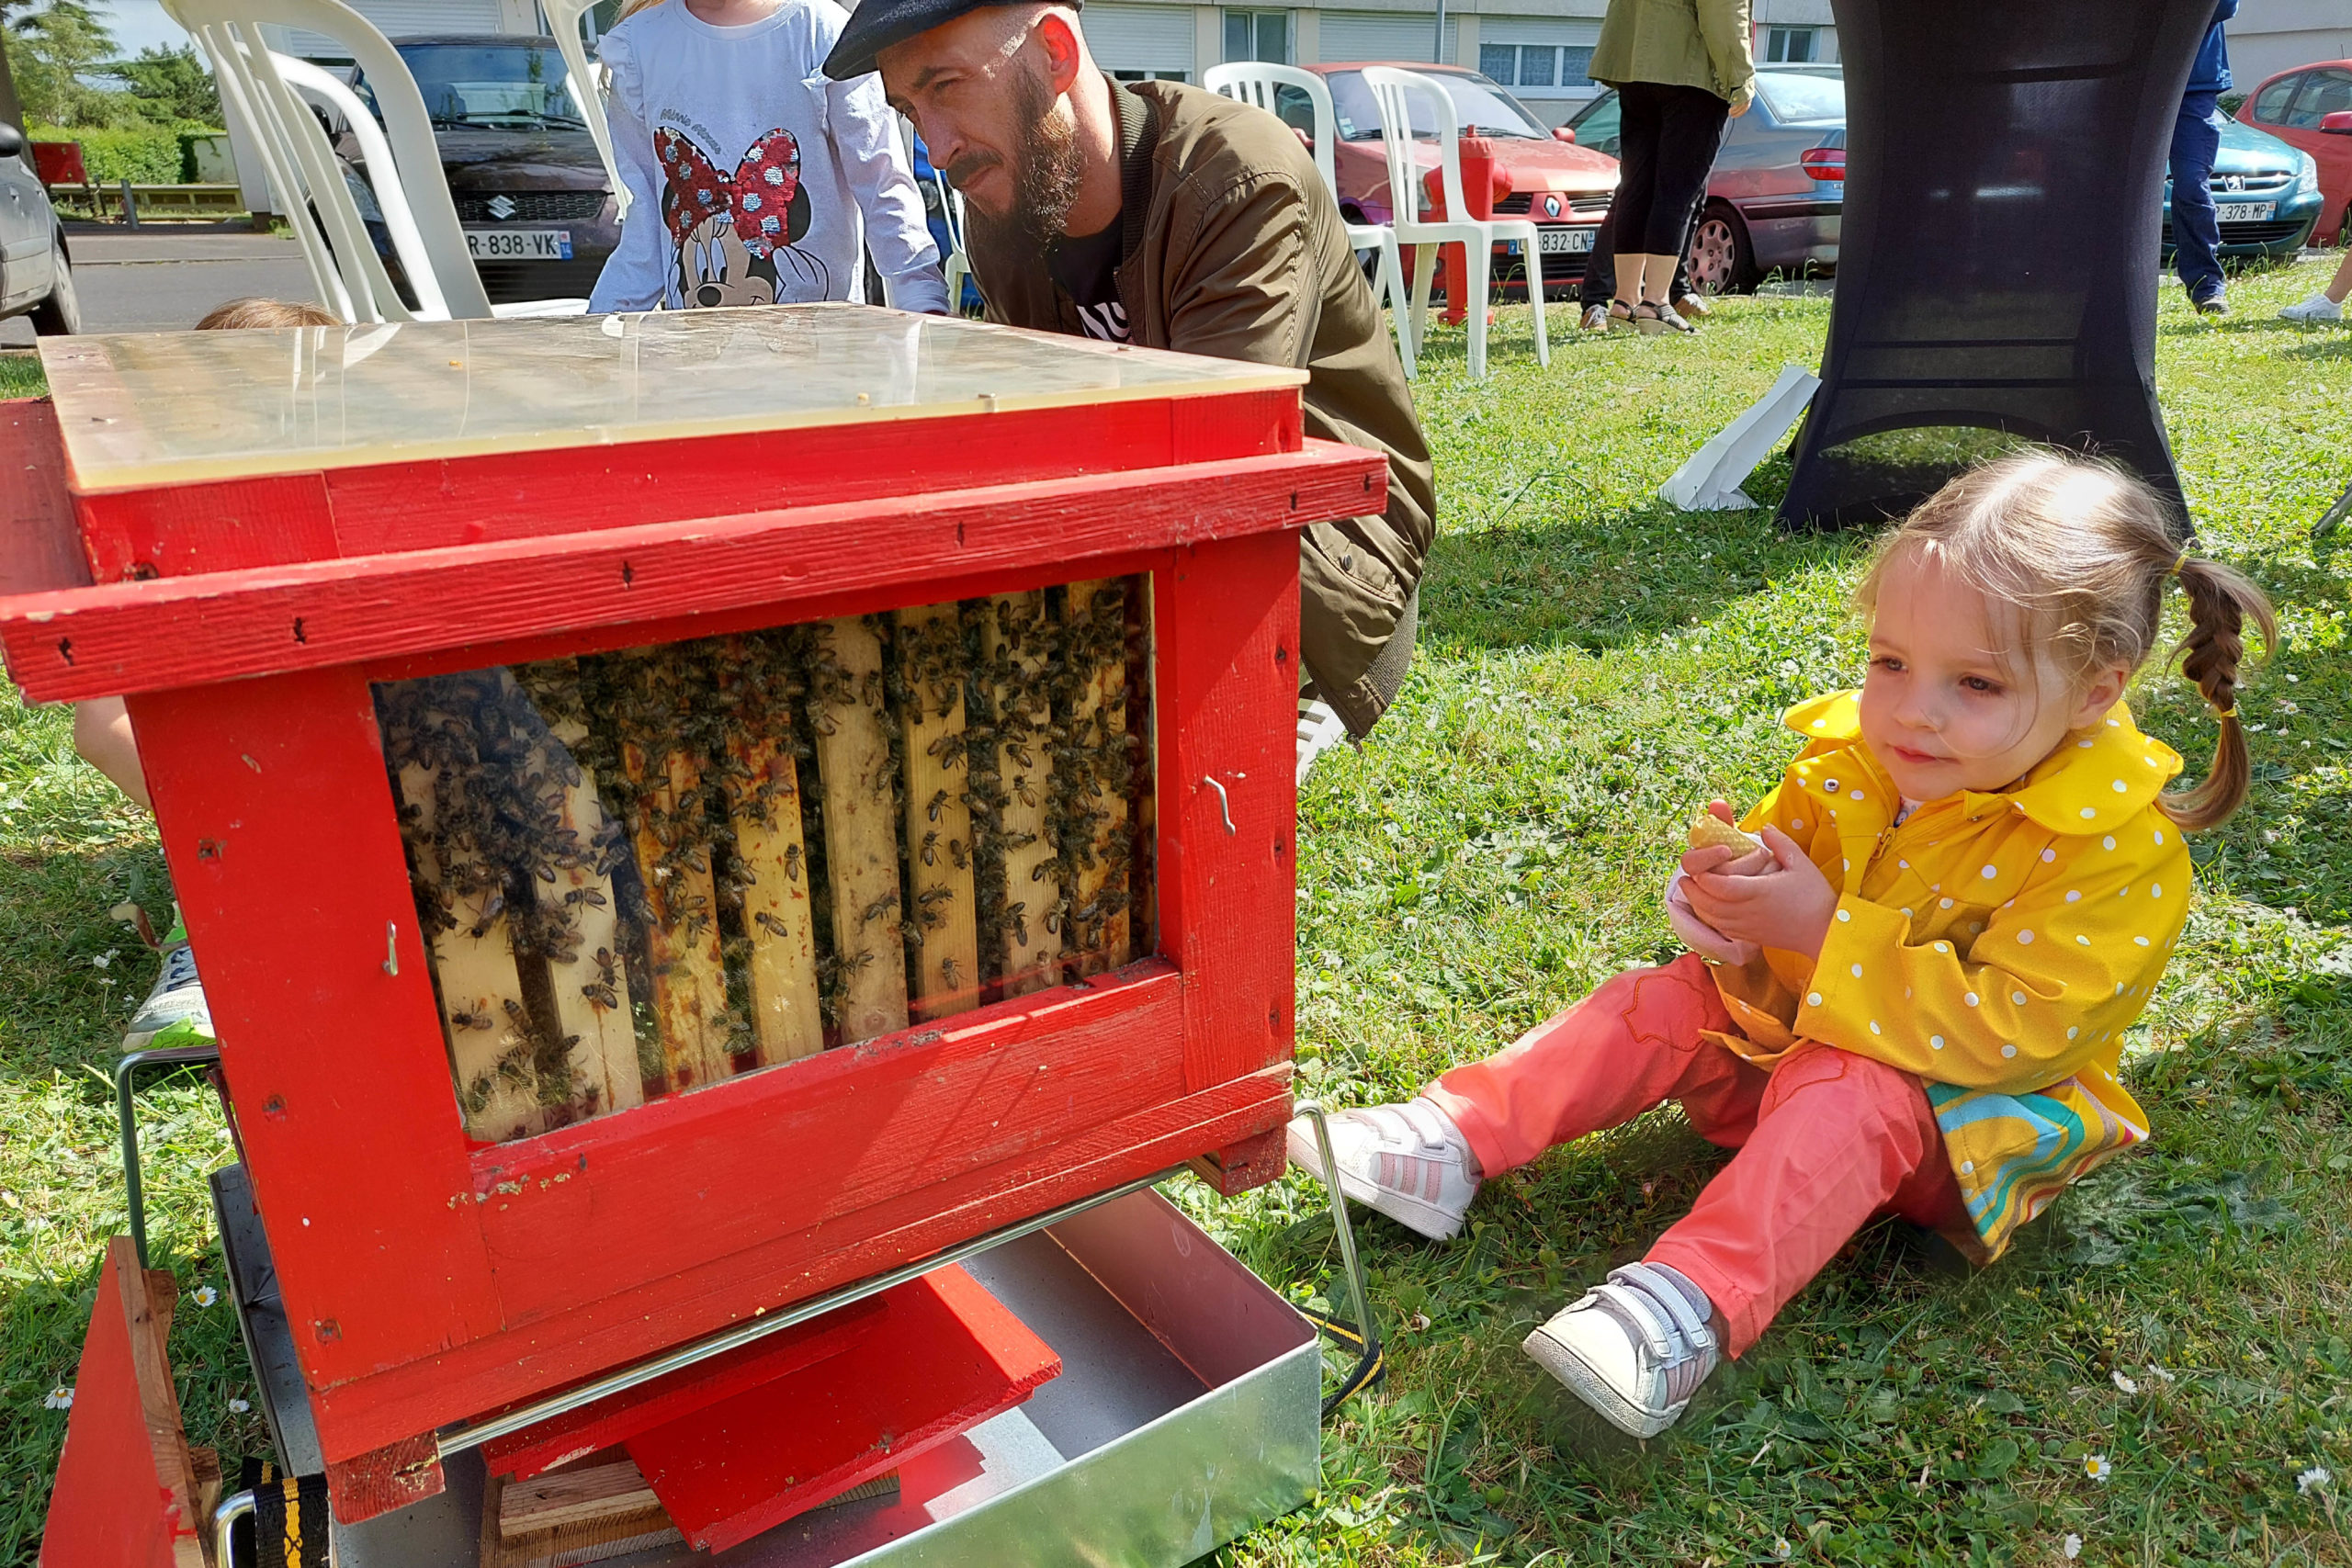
(644, 871)
(181, 407)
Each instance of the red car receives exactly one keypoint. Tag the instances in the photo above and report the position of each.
(1541, 173)
(2292, 106)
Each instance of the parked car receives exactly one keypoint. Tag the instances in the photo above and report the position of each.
(531, 192)
(2268, 194)
(36, 273)
(1775, 199)
(1564, 188)
(2292, 106)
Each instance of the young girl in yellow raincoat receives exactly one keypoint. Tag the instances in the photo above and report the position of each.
(1909, 998)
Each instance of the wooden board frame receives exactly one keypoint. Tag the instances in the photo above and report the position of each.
(429, 1279)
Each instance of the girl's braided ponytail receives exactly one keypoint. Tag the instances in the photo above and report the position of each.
(2220, 600)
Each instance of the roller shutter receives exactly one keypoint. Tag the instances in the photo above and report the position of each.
(1156, 40)
(394, 19)
(1375, 35)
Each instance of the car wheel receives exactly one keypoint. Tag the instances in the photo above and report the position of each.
(1721, 261)
(60, 315)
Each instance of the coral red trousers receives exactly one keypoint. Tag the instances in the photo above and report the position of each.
(1827, 1140)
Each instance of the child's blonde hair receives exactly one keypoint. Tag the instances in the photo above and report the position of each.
(2082, 552)
(239, 315)
(631, 7)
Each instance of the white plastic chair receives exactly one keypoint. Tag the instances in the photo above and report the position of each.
(1254, 82)
(403, 162)
(1396, 92)
(587, 85)
(958, 265)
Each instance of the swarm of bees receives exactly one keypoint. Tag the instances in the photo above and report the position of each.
(683, 741)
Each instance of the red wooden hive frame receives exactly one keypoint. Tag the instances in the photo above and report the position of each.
(429, 1280)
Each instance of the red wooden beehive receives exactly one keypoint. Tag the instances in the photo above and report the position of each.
(515, 1116)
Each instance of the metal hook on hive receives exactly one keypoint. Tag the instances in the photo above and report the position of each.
(1224, 804)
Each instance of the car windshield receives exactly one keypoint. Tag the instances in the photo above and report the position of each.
(1795, 96)
(1483, 109)
(492, 86)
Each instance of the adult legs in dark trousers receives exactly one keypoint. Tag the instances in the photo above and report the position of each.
(2195, 225)
(1600, 262)
(1669, 134)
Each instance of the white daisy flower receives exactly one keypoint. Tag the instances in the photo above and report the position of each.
(1781, 1548)
(2096, 1468)
(2124, 1382)
(206, 1296)
(2315, 1479)
(2071, 1546)
(60, 1398)
(2160, 1373)
(239, 1406)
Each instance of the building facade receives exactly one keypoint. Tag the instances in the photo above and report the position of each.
(2270, 36)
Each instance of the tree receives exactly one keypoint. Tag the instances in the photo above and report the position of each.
(170, 86)
(51, 51)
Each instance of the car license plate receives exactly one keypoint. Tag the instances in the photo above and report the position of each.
(1564, 242)
(519, 244)
(2246, 211)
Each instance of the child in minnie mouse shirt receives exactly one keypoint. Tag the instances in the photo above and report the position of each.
(754, 179)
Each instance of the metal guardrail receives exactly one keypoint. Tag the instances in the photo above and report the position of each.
(134, 204)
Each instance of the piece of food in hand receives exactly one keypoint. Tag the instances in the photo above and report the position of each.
(1709, 830)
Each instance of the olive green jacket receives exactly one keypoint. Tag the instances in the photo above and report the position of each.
(1232, 246)
(1682, 43)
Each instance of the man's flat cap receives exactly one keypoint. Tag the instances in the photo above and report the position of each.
(876, 25)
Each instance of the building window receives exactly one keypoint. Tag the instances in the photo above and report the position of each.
(1532, 66)
(1791, 46)
(1262, 36)
(1151, 76)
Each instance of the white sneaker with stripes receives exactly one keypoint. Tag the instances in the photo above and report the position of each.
(1319, 730)
(1636, 1348)
(1408, 1161)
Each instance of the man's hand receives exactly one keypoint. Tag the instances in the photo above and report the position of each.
(1774, 896)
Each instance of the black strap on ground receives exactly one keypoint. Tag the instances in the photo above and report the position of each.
(289, 1519)
(1371, 1366)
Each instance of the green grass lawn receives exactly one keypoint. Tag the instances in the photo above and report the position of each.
(1595, 663)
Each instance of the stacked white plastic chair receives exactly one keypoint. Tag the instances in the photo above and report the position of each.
(403, 164)
(1396, 92)
(587, 83)
(1254, 82)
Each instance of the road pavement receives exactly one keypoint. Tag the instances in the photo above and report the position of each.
(161, 279)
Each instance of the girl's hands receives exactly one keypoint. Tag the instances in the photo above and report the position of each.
(1774, 896)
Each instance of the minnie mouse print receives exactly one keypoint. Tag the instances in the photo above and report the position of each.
(736, 235)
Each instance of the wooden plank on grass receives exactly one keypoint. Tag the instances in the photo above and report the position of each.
(860, 835)
(930, 651)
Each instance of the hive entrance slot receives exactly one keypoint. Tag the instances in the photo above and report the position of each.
(644, 871)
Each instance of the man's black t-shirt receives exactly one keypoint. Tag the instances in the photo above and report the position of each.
(1087, 267)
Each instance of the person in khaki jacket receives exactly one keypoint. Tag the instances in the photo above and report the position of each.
(1163, 215)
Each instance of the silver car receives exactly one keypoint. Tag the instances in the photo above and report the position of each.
(1778, 187)
(35, 275)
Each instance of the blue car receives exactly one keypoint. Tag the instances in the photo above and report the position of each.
(2268, 191)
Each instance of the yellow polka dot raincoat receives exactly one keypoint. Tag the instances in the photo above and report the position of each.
(1997, 945)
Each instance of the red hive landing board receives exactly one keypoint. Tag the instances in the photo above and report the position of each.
(948, 1356)
(664, 1400)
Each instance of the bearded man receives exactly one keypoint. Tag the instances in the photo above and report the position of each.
(1155, 213)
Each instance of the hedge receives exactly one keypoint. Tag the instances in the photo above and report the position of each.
(145, 157)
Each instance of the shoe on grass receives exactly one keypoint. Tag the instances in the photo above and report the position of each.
(1635, 1348)
(2318, 308)
(1319, 730)
(1596, 318)
(1694, 307)
(2213, 304)
(176, 997)
(1408, 1161)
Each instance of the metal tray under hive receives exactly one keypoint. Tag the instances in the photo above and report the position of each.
(1186, 1413)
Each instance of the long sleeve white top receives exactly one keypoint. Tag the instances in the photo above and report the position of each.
(752, 177)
